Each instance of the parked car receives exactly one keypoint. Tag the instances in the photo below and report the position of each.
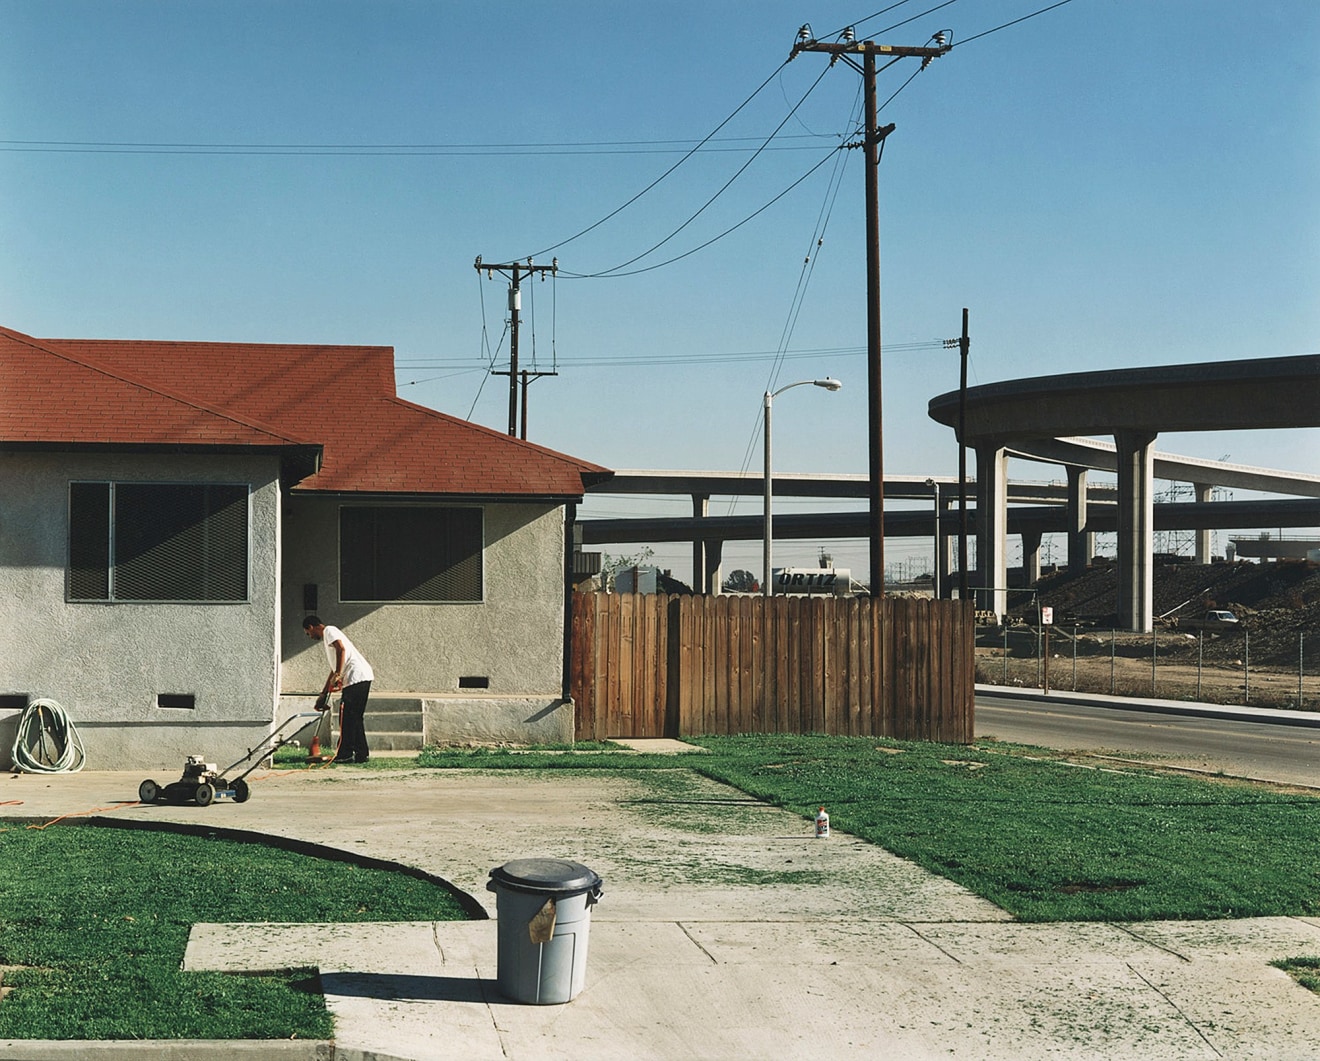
(1214, 619)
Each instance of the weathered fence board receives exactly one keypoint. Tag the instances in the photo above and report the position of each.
(652, 666)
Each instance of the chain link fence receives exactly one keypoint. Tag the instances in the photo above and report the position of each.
(1207, 667)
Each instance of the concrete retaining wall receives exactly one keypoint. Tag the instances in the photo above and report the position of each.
(529, 720)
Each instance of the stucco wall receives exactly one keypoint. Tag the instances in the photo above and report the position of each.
(106, 663)
(513, 638)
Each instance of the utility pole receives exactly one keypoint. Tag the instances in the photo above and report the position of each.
(516, 270)
(963, 344)
(872, 140)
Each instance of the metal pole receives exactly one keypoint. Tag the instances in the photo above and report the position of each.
(1154, 650)
(1301, 665)
(1038, 630)
(1113, 662)
(1246, 666)
(566, 679)
(1200, 655)
(963, 345)
(1074, 689)
(935, 489)
(768, 533)
(830, 384)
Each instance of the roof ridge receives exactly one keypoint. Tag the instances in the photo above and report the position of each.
(192, 403)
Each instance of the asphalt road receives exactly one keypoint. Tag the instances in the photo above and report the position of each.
(1259, 750)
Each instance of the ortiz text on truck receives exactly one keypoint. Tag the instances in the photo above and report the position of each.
(824, 581)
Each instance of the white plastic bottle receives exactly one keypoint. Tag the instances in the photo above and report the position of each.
(822, 824)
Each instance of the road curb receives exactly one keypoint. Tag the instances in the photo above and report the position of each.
(175, 1050)
(1228, 712)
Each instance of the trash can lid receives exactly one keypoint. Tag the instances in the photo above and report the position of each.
(551, 875)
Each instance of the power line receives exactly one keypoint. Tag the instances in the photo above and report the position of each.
(686, 359)
(617, 270)
(696, 147)
(1014, 22)
(799, 295)
(489, 364)
(586, 148)
(937, 7)
(610, 274)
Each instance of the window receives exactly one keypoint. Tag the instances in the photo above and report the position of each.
(158, 542)
(416, 554)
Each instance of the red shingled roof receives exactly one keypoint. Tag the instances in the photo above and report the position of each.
(263, 394)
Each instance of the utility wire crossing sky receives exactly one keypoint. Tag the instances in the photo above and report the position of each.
(1102, 184)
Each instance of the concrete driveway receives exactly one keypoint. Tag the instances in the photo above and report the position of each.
(726, 930)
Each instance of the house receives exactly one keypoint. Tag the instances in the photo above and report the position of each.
(169, 512)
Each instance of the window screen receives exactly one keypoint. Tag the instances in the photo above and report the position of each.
(417, 554)
(158, 542)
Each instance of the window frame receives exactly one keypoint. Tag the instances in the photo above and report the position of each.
(112, 562)
(386, 507)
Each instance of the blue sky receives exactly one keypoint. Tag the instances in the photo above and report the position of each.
(1109, 184)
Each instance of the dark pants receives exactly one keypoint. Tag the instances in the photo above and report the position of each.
(352, 731)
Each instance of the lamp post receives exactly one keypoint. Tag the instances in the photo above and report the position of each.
(830, 385)
(935, 489)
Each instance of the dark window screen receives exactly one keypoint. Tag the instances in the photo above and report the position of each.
(158, 542)
(410, 554)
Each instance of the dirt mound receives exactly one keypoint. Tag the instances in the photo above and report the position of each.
(1276, 602)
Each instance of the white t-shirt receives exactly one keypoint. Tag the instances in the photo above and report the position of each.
(356, 667)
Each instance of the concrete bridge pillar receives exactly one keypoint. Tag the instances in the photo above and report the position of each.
(1031, 557)
(1136, 528)
(1204, 492)
(712, 582)
(1080, 540)
(943, 549)
(992, 526)
(700, 510)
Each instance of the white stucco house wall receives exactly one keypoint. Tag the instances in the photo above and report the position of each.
(170, 511)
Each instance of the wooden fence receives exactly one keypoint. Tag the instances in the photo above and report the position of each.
(656, 666)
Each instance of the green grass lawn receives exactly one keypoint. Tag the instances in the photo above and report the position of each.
(99, 917)
(97, 920)
(1043, 838)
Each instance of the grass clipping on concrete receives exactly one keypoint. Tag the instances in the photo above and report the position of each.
(1045, 838)
(1030, 830)
(94, 924)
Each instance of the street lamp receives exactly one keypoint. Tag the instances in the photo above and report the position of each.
(830, 385)
(935, 489)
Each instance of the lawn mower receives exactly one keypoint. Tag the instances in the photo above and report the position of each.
(202, 783)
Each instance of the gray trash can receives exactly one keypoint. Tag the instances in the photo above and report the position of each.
(544, 910)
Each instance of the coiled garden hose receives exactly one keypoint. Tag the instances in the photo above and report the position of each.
(47, 742)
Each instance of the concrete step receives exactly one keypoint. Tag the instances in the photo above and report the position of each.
(393, 742)
(393, 724)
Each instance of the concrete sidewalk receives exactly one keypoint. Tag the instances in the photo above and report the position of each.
(725, 931)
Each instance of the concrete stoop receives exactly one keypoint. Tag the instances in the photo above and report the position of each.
(394, 724)
(406, 723)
